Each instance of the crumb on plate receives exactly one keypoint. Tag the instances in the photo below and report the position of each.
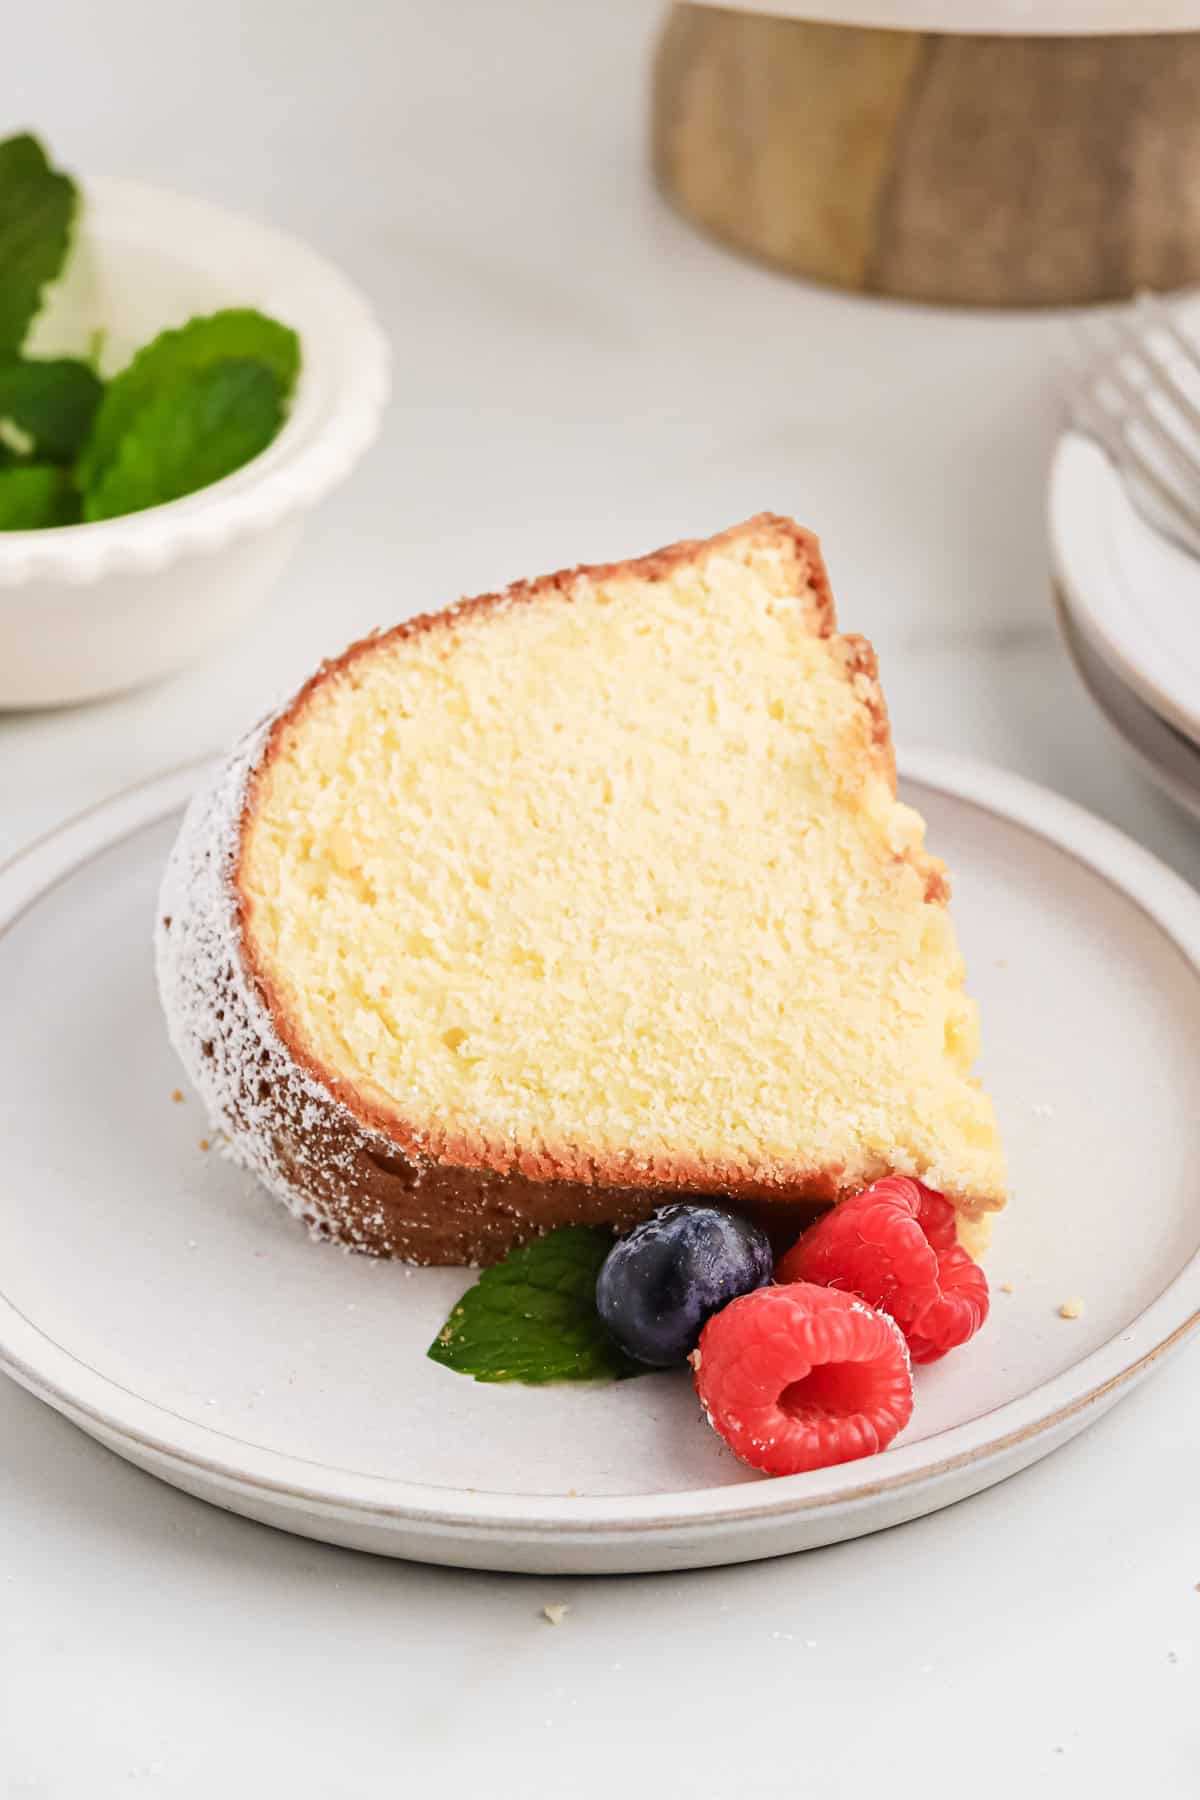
(177, 1095)
(1071, 1309)
(555, 1613)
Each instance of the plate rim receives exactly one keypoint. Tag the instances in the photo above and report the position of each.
(1149, 678)
(103, 1407)
(1079, 648)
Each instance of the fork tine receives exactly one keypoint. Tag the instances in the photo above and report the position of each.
(1153, 308)
(1118, 411)
(1083, 361)
(1151, 423)
(1159, 368)
(1105, 427)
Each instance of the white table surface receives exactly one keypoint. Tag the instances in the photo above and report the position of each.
(579, 376)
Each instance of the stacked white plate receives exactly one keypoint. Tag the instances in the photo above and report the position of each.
(1129, 607)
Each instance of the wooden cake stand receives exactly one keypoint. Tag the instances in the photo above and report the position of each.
(980, 165)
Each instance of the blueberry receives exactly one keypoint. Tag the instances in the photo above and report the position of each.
(661, 1283)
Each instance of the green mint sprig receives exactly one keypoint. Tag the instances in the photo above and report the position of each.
(37, 210)
(165, 365)
(199, 425)
(533, 1318)
(192, 406)
(35, 495)
(48, 407)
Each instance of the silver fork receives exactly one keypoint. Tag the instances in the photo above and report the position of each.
(1138, 395)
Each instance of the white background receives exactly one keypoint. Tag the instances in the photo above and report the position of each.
(579, 376)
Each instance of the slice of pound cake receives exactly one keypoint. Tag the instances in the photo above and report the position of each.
(573, 897)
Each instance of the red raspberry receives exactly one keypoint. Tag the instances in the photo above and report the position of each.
(799, 1377)
(895, 1244)
(937, 1217)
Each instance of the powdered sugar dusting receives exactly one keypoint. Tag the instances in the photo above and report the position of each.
(272, 1117)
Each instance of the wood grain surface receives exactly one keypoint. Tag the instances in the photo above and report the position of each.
(982, 170)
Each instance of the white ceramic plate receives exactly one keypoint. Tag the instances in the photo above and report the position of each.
(155, 1296)
(1132, 591)
(1164, 754)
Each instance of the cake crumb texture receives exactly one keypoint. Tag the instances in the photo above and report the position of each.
(531, 911)
(611, 881)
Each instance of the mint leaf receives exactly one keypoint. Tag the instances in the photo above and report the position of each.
(34, 495)
(37, 209)
(202, 424)
(533, 1317)
(51, 403)
(237, 334)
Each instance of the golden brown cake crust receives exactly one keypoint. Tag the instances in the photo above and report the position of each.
(365, 1178)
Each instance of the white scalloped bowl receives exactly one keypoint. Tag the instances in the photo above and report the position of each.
(87, 610)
